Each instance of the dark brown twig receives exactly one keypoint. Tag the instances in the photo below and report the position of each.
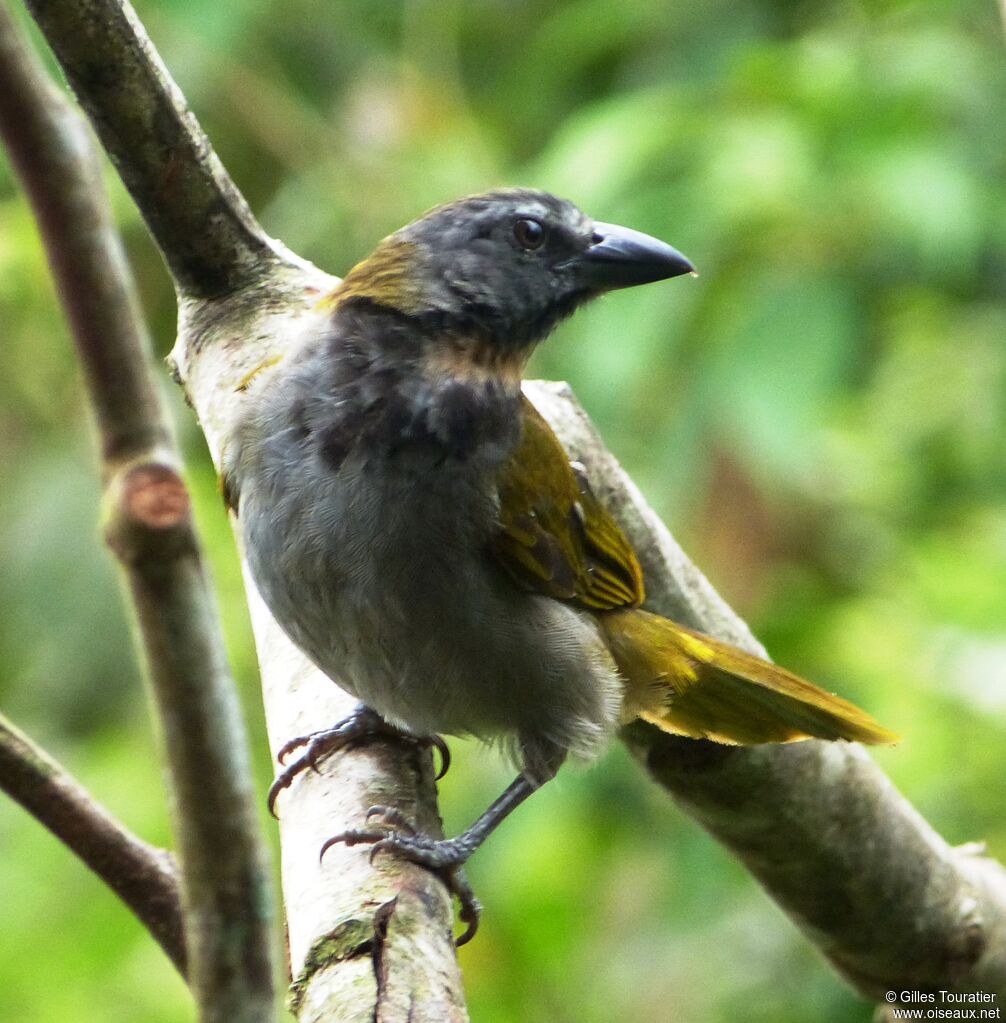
(144, 877)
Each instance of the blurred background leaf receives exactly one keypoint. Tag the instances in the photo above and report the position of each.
(821, 417)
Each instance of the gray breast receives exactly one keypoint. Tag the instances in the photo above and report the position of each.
(380, 572)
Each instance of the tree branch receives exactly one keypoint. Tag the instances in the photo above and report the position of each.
(367, 941)
(207, 234)
(144, 877)
(225, 884)
(821, 827)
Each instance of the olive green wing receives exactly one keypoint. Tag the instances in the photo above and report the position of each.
(554, 535)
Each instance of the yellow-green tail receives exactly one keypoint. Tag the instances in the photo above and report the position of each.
(689, 684)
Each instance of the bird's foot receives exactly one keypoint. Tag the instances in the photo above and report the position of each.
(391, 832)
(363, 725)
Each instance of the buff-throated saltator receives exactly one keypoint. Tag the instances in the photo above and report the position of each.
(415, 526)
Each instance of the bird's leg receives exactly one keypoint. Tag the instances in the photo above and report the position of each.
(362, 725)
(445, 857)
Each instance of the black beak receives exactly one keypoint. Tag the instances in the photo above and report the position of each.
(619, 257)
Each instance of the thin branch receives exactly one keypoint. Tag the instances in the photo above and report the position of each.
(224, 877)
(228, 898)
(143, 876)
(819, 824)
(54, 156)
(202, 224)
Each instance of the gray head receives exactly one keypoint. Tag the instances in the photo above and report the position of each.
(504, 266)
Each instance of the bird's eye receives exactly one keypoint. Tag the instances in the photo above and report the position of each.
(529, 233)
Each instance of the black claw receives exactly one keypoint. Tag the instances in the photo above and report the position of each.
(362, 725)
(275, 789)
(288, 747)
(329, 842)
(443, 858)
(315, 745)
(381, 845)
(354, 836)
(470, 915)
(437, 742)
(391, 818)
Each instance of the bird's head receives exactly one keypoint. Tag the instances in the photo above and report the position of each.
(503, 268)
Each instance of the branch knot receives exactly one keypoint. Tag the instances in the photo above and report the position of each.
(148, 512)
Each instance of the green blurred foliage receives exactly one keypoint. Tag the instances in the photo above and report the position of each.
(820, 417)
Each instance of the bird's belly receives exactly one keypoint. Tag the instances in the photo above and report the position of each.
(394, 596)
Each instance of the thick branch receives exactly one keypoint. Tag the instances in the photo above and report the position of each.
(822, 828)
(367, 941)
(144, 877)
(225, 881)
(206, 233)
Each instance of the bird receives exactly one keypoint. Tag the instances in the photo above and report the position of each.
(418, 531)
